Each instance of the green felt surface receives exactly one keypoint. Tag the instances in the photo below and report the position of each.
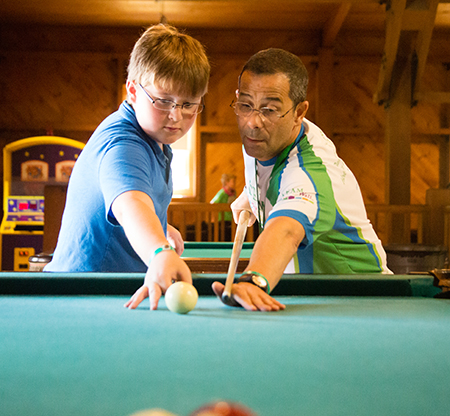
(87, 355)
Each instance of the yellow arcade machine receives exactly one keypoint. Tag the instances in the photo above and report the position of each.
(29, 165)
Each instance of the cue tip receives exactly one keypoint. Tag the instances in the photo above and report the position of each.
(228, 300)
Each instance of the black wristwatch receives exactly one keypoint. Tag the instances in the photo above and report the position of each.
(256, 279)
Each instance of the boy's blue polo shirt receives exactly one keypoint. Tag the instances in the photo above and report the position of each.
(119, 157)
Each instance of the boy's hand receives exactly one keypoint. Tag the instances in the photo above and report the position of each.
(175, 239)
(165, 268)
(249, 297)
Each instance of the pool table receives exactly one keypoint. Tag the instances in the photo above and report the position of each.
(207, 257)
(345, 345)
(201, 257)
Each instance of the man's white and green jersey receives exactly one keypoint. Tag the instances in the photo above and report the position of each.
(311, 184)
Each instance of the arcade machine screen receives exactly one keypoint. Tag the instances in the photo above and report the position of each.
(29, 166)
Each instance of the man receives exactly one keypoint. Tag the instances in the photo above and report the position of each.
(306, 200)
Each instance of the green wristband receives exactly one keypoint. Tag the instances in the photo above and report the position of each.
(165, 247)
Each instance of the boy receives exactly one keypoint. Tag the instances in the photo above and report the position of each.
(115, 219)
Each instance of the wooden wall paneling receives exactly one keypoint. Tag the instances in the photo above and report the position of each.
(427, 116)
(355, 112)
(222, 87)
(244, 43)
(359, 125)
(424, 169)
(74, 39)
(364, 155)
(223, 157)
(311, 65)
(57, 91)
(325, 91)
(444, 162)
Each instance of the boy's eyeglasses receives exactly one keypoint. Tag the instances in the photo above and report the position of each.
(169, 105)
(267, 114)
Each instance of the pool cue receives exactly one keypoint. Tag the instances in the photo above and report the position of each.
(244, 217)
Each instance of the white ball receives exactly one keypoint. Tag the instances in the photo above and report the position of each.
(181, 297)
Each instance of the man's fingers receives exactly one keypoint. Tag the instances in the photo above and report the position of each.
(254, 299)
(218, 289)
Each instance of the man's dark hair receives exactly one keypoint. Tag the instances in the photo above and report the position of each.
(273, 61)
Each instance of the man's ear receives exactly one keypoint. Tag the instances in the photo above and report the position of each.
(300, 111)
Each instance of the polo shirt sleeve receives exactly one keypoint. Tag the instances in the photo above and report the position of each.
(306, 200)
(301, 218)
(125, 166)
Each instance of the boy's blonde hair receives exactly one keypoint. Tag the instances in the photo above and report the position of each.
(172, 60)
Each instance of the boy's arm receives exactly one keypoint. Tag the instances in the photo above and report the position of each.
(135, 212)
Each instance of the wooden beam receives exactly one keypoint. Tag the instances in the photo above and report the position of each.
(394, 17)
(333, 26)
(403, 17)
(398, 147)
(398, 129)
(444, 162)
(437, 97)
(423, 43)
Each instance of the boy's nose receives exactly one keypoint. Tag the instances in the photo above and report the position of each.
(176, 114)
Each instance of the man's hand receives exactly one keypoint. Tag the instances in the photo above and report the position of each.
(250, 297)
(241, 204)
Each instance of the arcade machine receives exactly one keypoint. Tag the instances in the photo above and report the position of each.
(29, 165)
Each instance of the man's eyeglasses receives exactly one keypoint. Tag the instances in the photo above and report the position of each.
(267, 114)
(169, 105)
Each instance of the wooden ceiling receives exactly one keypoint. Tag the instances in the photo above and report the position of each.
(356, 15)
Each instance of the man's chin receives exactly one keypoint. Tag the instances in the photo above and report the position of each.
(253, 149)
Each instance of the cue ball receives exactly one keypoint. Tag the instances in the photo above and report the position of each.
(181, 297)
(223, 408)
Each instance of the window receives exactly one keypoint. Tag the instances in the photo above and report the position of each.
(183, 164)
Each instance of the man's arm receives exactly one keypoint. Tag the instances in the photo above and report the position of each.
(135, 212)
(275, 247)
(273, 250)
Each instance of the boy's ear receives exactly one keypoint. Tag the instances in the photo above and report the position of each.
(131, 91)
